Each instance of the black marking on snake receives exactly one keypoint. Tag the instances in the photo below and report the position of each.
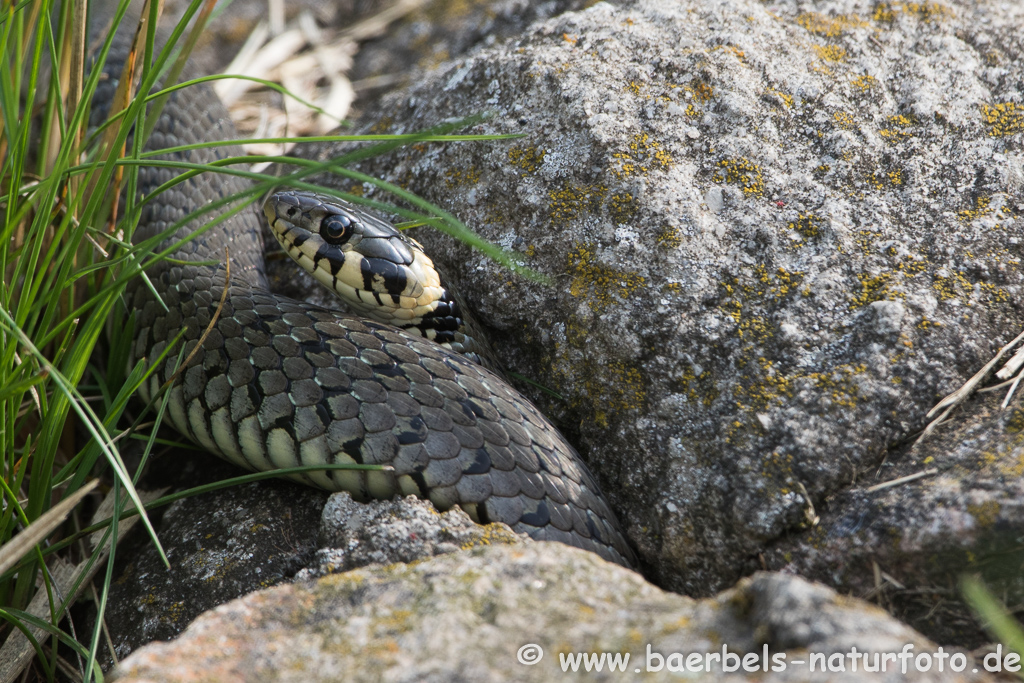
(255, 397)
(324, 253)
(323, 414)
(481, 463)
(482, 516)
(389, 369)
(285, 422)
(421, 483)
(540, 517)
(354, 449)
(416, 433)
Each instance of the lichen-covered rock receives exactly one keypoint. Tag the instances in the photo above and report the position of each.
(220, 546)
(404, 530)
(228, 543)
(907, 540)
(475, 616)
(776, 236)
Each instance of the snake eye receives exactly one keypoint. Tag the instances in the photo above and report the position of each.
(336, 229)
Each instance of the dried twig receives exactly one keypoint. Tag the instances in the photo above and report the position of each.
(964, 392)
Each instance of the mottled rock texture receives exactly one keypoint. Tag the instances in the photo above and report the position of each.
(222, 546)
(354, 535)
(777, 234)
(906, 546)
(465, 616)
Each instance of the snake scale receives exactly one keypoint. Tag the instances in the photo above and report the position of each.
(280, 383)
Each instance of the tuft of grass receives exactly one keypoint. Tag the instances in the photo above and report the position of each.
(994, 616)
(66, 257)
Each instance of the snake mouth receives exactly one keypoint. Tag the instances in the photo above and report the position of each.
(376, 269)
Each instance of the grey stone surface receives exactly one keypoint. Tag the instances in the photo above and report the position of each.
(220, 546)
(228, 543)
(777, 234)
(907, 544)
(465, 616)
(404, 530)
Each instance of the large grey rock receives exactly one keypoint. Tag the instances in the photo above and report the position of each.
(468, 616)
(776, 237)
(228, 543)
(906, 541)
(220, 546)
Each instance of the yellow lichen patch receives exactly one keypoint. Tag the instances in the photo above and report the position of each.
(896, 132)
(808, 225)
(756, 329)
(669, 237)
(572, 200)
(956, 286)
(734, 51)
(925, 11)
(830, 27)
(633, 87)
(598, 282)
(865, 82)
(993, 57)
(493, 534)
(623, 207)
(743, 172)
(777, 466)
(455, 177)
(527, 158)
(985, 513)
(981, 208)
(698, 388)
(1004, 118)
(642, 155)
(756, 392)
(784, 282)
(383, 125)
(875, 288)
(839, 384)
(843, 119)
(787, 100)
(830, 53)
(701, 92)
(1015, 421)
(880, 181)
(1016, 468)
(622, 387)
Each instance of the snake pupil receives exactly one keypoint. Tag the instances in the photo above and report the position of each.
(336, 229)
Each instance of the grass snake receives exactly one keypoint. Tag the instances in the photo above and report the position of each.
(279, 383)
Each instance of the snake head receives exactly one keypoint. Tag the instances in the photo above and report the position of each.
(379, 271)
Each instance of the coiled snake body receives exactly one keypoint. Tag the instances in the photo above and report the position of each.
(280, 383)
